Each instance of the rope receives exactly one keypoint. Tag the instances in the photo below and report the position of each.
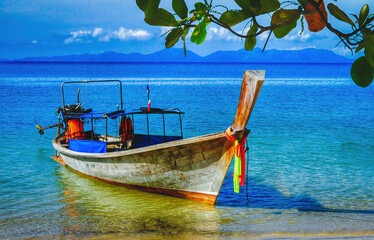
(82, 94)
(246, 180)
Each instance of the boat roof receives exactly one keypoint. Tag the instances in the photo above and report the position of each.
(115, 114)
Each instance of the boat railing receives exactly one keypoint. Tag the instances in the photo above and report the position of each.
(141, 140)
(77, 111)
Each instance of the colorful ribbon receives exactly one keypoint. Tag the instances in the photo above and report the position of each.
(239, 167)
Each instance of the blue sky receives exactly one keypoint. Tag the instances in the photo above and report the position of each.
(50, 28)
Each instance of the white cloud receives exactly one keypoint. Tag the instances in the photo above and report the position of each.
(80, 33)
(345, 52)
(165, 29)
(300, 47)
(77, 36)
(263, 36)
(71, 40)
(97, 32)
(102, 35)
(125, 34)
(105, 38)
(34, 42)
(303, 37)
(214, 33)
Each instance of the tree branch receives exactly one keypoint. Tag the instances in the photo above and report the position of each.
(262, 28)
(344, 37)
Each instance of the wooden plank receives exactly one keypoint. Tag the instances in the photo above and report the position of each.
(59, 160)
(222, 167)
(251, 86)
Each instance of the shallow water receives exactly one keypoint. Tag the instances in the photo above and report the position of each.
(310, 160)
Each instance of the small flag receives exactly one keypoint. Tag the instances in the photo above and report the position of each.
(148, 89)
(149, 105)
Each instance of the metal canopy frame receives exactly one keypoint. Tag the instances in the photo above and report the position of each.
(162, 112)
(91, 81)
(121, 112)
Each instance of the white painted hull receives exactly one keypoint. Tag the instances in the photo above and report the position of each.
(193, 168)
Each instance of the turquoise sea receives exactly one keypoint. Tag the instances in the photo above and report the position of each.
(311, 157)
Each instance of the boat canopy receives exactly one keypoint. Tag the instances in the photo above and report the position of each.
(118, 113)
(76, 111)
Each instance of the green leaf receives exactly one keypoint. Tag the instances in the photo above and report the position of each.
(360, 47)
(269, 6)
(287, 19)
(369, 38)
(369, 47)
(173, 37)
(148, 6)
(199, 33)
(250, 43)
(255, 3)
(199, 6)
(339, 14)
(184, 48)
(363, 14)
(369, 54)
(185, 32)
(253, 6)
(284, 15)
(361, 72)
(258, 7)
(161, 17)
(180, 8)
(199, 11)
(233, 17)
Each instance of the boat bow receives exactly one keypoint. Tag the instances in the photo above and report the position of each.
(251, 86)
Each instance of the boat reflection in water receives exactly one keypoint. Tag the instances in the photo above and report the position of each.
(96, 208)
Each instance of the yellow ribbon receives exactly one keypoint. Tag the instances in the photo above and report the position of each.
(237, 169)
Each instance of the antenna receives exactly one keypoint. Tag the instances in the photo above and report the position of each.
(149, 101)
(78, 95)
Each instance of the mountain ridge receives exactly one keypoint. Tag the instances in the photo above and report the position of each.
(308, 55)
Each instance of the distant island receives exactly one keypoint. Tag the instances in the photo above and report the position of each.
(309, 55)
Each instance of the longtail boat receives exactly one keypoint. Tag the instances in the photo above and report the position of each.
(193, 168)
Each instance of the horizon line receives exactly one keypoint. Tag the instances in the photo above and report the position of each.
(195, 62)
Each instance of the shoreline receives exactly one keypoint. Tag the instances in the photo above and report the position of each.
(238, 235)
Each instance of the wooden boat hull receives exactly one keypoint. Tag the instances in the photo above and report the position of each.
(192, 168)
